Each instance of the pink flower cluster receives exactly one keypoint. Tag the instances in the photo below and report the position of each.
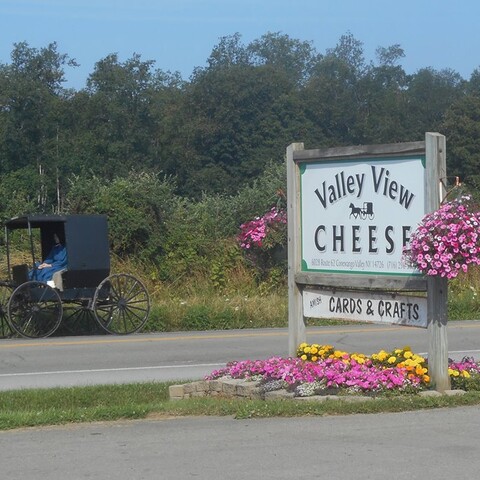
(254, 232)
(467, 364)
(447, 240)
(331, 372)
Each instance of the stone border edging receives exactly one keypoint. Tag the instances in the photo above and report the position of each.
(243, 388)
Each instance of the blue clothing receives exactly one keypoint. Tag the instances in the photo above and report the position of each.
(57, 258)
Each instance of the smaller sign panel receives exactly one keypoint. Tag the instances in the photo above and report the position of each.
(366, 307)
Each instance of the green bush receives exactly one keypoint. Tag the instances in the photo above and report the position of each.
(137, 207)
(463, 299)
(467, 384)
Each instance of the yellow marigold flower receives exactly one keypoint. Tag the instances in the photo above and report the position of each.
(397, 351)
(303, 345)
(392, 359)
(321, 352)
(313, 349)
(358, 358)
(382, 355)
(408, 354)
(314, 358)
(419, 370)
(306, 350)
(303, 357)
(426, 378)
(465, 374)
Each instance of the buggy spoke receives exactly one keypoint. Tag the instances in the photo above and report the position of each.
(5, 329)
(78, 319)
(121, 304)
(35, 310)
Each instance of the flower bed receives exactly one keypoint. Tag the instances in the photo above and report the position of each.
(322, 370)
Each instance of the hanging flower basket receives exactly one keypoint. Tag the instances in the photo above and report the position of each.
(447, 240)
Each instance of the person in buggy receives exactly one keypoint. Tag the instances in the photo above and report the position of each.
(55, 261)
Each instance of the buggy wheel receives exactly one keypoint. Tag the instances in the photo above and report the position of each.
(5, 329)
(121, 304)
(78, 319)
(35, 310)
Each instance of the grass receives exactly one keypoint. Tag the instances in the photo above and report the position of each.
(37, 407)
(42, 407)
(195, 303)
(463, 296)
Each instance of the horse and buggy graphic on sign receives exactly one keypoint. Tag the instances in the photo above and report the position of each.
(363, 212)
(82, 289)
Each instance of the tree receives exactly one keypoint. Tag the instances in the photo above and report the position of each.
(119, 119)
(349, 50)
(473, 86)
(229, 52)
(389, 56)
(295, 58)
(430, 93)
(235, 121)
(332, 95)
(462, 129)
(383, 88)
(29, 116)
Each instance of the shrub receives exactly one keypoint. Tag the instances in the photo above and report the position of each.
(264, 238)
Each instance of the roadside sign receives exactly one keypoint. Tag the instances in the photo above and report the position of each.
(358, 215)
(372, 307)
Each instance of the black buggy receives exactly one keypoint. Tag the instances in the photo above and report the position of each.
(83, 291)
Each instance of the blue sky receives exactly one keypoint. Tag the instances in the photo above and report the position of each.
(179, 35)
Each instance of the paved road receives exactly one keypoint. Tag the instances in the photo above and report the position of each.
(440, 444)
(71, 361)
(437, 444)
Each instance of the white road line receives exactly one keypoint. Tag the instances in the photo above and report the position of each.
(423, 354)
(101, 370)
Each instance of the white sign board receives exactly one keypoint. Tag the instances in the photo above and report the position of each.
(357, 216)
(366, 307)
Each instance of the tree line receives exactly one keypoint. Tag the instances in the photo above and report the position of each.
(136, 134)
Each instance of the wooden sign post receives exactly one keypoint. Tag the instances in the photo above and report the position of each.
(296, 323)
(351, 211)
(437, 287)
